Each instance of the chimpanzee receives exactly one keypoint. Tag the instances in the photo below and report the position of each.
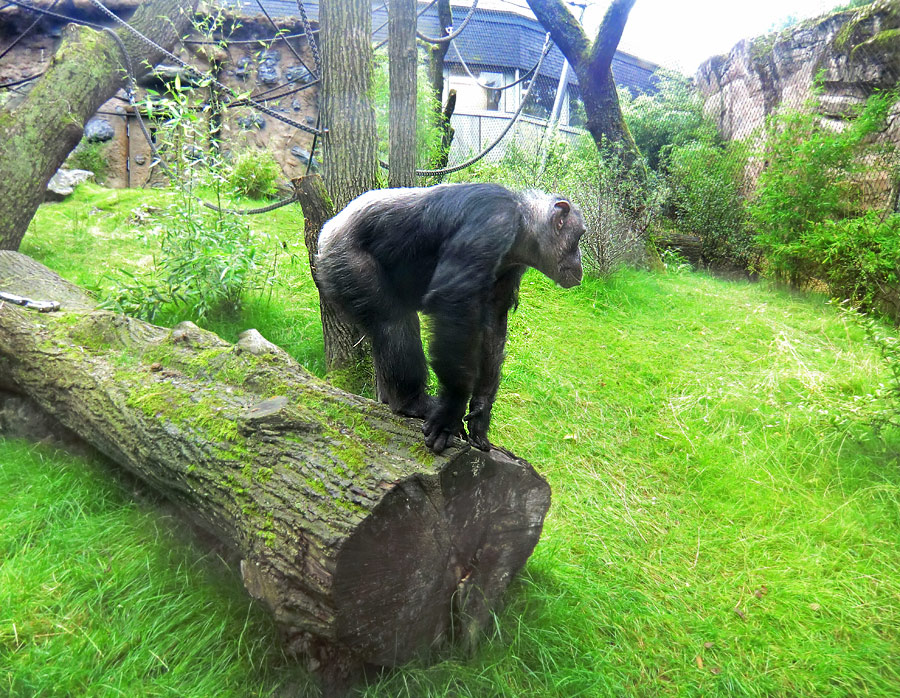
(456, 252)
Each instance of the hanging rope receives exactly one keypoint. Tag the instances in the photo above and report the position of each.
(471, 161)
(311, 39)
(130, 91)
(453, 34)
(278, 36)
(523, 78)
(206, 77)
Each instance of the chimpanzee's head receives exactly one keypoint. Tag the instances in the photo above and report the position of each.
(568, 225)
(555, 227)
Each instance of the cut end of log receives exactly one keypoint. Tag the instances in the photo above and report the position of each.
(436, 554)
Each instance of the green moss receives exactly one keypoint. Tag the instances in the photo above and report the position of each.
(264, 474)
(421, 453)
(848, 38)
(316, 486)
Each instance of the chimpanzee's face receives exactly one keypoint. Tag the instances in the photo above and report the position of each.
(568, 227)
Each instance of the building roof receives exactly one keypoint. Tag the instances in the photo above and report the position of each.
(501, 34)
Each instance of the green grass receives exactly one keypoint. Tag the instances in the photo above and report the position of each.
(719, 526)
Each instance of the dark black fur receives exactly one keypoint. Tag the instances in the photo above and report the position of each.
(456, 253)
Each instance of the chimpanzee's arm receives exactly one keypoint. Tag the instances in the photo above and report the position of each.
(493, 346)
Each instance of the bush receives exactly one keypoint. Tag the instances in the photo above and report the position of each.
(90, 156)
(707, 200)
(859, 259)
(813, 176)
(205, 262)
(428, 134)
(255, 174)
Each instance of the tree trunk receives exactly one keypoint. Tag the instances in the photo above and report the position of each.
(350, 151)
(402, 60)
(592, 62)
(317, 209)
(437, 53)
(366, 547)
(38, 134)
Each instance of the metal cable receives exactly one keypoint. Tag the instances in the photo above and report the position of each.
(453, 34)
(524, 77)
(471, 161)
(171, 56)
(10, 85)
(223, 40)
(130, 91)
(241, 103)
(277, 37)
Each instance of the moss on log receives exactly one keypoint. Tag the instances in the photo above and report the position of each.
(366, 547)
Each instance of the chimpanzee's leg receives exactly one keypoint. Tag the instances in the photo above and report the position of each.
(454, 347)
(400, 369)
(492, 354)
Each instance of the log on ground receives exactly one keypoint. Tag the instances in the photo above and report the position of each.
(366, 547)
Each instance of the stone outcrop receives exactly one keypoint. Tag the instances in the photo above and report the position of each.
(849, 54)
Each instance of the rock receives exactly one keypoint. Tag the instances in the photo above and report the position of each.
(848, 53)
(270, 56)
(98, 130)
(243, 68)
(841, 59)
(304, 156)
(268, 74)
(252, 121)
(297, 73)
(64, 182)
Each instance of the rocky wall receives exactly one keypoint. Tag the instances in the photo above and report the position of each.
(250, 63)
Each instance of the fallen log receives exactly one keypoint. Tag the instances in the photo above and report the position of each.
(366, 547)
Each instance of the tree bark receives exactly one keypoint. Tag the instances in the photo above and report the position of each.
(38, 134)
(317, 209)
(366, 547)
(437, 53)
(591, 62)
(402, 63)
(350, 151)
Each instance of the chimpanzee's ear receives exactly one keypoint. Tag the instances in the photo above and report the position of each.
(560, 213)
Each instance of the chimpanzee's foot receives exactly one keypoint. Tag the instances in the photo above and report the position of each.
(418, 406)
(442, 423)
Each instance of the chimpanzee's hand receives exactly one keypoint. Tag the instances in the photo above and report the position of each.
(444, 421)
(477, 421)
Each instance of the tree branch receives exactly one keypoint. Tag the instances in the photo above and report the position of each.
(564, 29)
(609, 35)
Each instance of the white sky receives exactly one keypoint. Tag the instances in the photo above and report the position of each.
(681, 34)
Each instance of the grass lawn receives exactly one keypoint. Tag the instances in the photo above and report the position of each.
(719, 526)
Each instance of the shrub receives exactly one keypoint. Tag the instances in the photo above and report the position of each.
(813, 176)
(428, 134)
(255, 174)
(707, 200)
(205, 262)
(90, 156)
(859, 259)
